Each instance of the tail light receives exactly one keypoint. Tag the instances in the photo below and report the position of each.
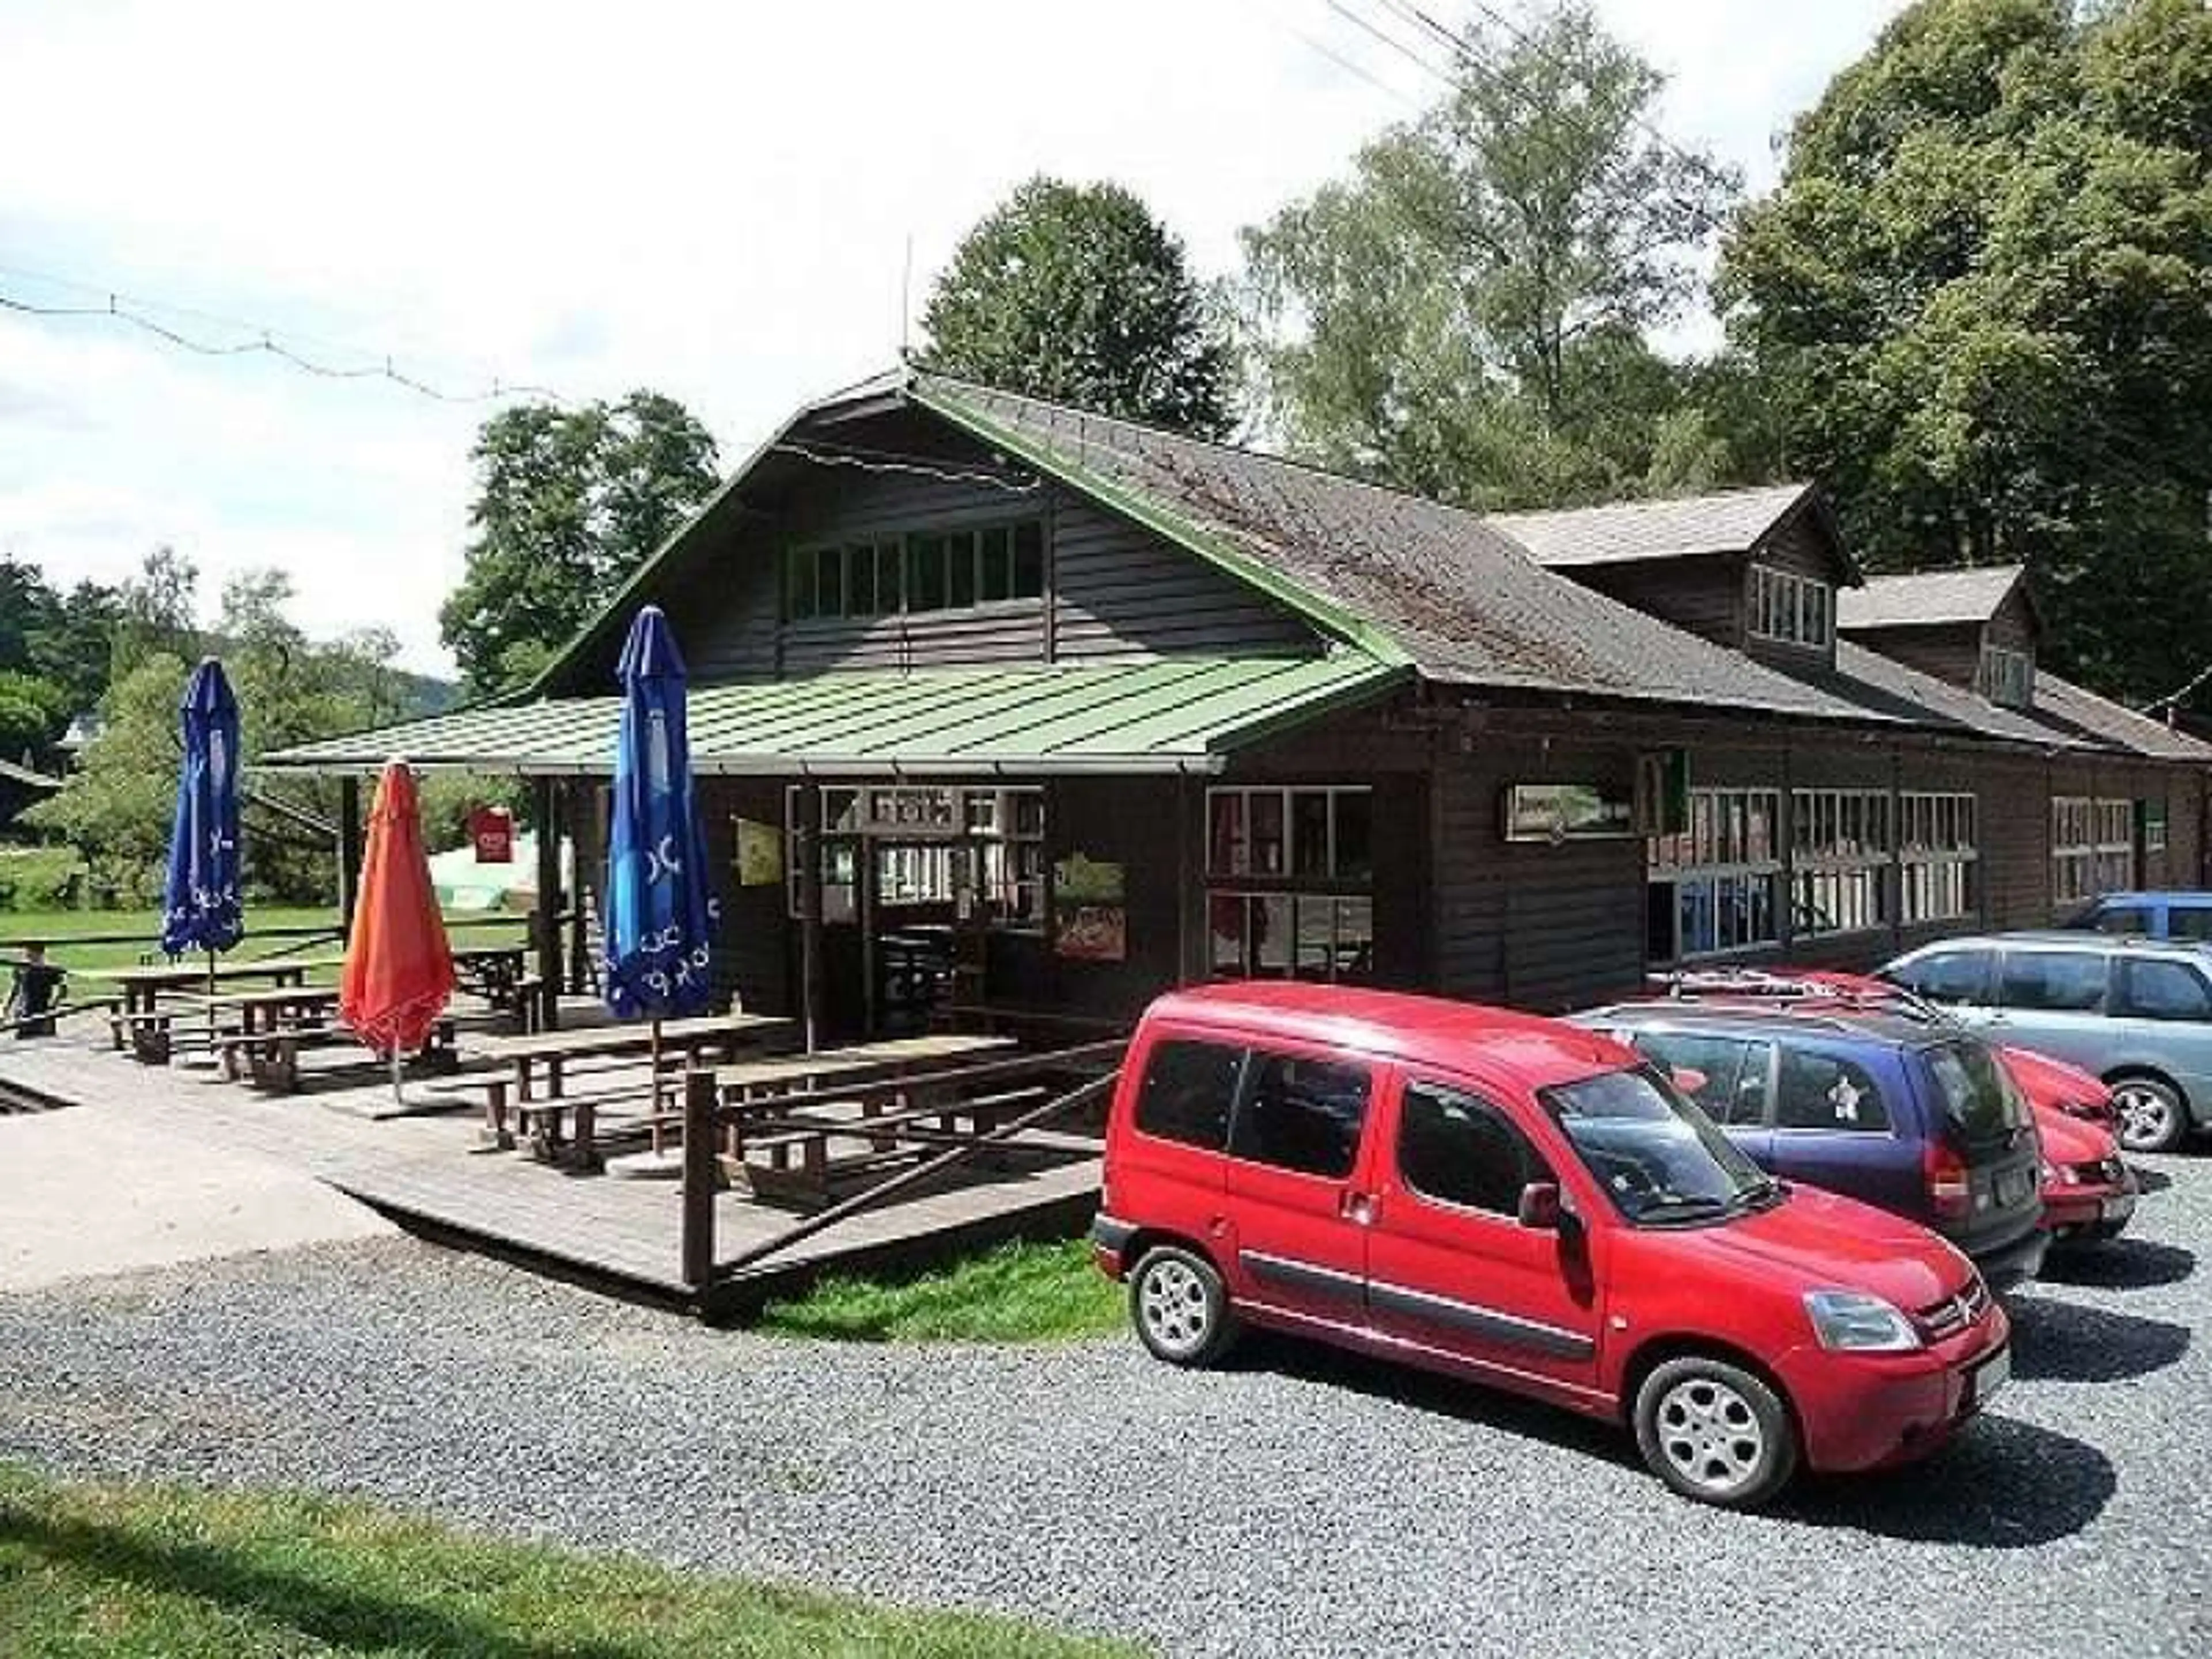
(1950, 1188)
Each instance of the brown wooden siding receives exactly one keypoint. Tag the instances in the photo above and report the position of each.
(1701, 596)
(1951, 651)
(1117, 591)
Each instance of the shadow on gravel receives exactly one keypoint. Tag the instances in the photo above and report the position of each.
(2001, 1485)
(2151, 1181)
(1431, 1392)
(2123, 1264)
(2057, 1341)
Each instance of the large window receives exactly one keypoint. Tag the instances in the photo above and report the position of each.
(2093, 848)
(2006, 676)
(972, 847)
(1717, 886)
(1791, 609)
(1288, 871)
(1840, 860)
(1188, 1091)
(941, 570)
(1938, 855)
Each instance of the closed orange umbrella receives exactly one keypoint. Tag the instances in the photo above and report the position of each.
(399, 970)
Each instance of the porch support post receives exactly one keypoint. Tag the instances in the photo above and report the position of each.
(348, 850)
(807, 849)
(545, 810)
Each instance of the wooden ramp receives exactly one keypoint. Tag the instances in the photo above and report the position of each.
(432, 1175)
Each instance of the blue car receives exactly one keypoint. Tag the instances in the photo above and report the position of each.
(1913, 1117)
(2171, 914)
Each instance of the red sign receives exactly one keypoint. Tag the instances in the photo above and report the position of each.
(492, 831)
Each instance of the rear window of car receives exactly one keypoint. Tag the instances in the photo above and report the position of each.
(2054, 981)
(2155, 987)
(1814, 1090)
(1978, 1101)
(1188, 1090)
(1302, 1114)
(2189, 920)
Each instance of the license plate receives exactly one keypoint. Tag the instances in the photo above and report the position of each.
(1986, 1378)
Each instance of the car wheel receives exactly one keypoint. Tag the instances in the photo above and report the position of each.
(2151, 1116)
(1715, 1432)
(1180, 1307)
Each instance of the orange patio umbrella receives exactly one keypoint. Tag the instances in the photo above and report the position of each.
(399, 970)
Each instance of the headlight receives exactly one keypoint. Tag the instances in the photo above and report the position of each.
(1857, 1322)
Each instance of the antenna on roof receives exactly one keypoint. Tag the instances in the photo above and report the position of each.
(906, 300)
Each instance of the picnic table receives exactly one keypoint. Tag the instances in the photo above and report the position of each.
(493, 972)
(535, 1069)
(142, 988)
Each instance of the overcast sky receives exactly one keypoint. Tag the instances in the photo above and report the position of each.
(712, 200)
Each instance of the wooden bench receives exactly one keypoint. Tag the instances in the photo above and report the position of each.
(270, 1055)
(546, 1054)
(801, 1172)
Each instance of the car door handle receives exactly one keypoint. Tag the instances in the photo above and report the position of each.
(1359, 1208)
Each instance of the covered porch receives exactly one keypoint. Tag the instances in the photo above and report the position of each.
(1037, 847)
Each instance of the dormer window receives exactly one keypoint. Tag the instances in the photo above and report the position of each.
(2006, 676)
(1788, 609)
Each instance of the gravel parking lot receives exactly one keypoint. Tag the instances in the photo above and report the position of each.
(1298, 1503)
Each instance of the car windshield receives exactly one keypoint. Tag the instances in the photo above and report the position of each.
(1659, 1159)
(1977, 1095)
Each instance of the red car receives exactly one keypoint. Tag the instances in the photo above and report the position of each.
(2088, 1192)
(1527, 1204)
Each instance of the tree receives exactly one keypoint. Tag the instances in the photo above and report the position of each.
(1078, 294)
(157, 610)
(76, 649)
(1467, 315)
(569, 504)
(1977, 301)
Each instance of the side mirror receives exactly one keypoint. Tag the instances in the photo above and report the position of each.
(1539, 1209)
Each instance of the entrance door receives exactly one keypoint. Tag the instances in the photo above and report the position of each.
(1452, 1271)
(1299, 1197)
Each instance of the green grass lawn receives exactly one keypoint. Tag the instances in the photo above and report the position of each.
(1015, 1293)
(158, 1573)
(142, 928)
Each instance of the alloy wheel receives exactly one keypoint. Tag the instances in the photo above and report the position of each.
(2147, 1116)
(1175, 1306)
(1711, 1435)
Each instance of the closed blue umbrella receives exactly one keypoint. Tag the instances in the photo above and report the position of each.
(201, 908)
(661, 908)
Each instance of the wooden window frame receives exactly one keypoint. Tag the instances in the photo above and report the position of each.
(2006, 676)
(810, 556)
(1842, 848)
(1785, 607)
(1939, 853)
(1729, 865)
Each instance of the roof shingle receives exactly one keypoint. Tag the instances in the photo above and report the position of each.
(1928, 597)
(1619, 532)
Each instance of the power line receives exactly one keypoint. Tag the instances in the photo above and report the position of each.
(264, 341)
(1392, 41)
(1345, 63)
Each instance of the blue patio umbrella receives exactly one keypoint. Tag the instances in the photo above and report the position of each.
(661, 909)
(201, 908)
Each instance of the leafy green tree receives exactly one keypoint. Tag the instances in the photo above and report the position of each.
(115, 808)
(33, 711)
(1980, 302)
(75, 648)
(1467, 314)
(157, 611)
(1078, 294)
(569, 504)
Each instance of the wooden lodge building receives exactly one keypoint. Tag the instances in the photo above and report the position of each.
(1071, 710)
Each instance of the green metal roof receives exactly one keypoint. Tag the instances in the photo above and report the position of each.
(1181, 714)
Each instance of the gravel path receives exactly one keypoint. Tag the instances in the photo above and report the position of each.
(1299, 1503)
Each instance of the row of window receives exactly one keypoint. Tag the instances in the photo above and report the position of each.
(937, 570)
(981, 851)
(1718, 885)
(1747, 1080)
(2064, 982)
(1791, 609)
(1320, 834)
(1307, 1116)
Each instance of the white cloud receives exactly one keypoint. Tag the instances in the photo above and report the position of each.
(713, 200)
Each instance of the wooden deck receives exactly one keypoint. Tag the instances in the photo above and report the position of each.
(430, 1173)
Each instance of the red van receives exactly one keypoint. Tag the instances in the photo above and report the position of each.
(1527, 1204)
